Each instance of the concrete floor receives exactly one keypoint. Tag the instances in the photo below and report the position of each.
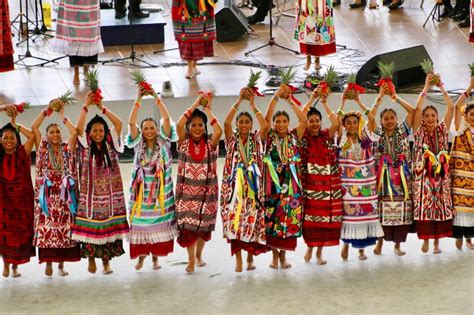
(416, 284)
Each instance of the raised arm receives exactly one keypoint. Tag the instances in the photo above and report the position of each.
(271, 110)
(302, 119)
(71, 128)
(460, 102)
(181, 125)
(81, 120)
(371, 124)
(262, 123)
(116, 121)
(230, 117)
(132, 119)
(35, 127)
(216, 135)
(310, 102)
(332, 117)
(448, 115)
(419, 104)
(165, 115)
(30, 136)
(407, 107)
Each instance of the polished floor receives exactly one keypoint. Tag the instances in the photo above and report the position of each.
(365, 33)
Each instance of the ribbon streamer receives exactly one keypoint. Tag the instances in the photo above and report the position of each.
(46, 184)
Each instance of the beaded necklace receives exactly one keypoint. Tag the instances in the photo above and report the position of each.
(244, 149)
(55, 160)
(282, 149)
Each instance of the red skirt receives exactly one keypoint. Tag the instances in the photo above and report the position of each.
(318, 50)
(252, 248)
(320, 237)
(157, 249)
(397, 234)
(188, 238)
(17, 255)
(59, 254)
(281, 243)
(196, 50)
(6, 63)
(434, 229)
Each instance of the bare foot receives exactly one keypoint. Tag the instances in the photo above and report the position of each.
(378, 247)
(156, 265)
(190, 267)
(426, 246)
(62, 272)
(238, 261)
(469, 244)
(139, 264)
(308, 63)
(196, 71)
(6, 270)
(362, 255)
(308, 255)
(317, 64)
(250, 265)
(283, 262)
(92, 267)
(345, 252)
(398, 250)
(200, 262)
(49, 269)
(106, 264)
(15, 272)
(436, 249)
(319, 257)
(76, 80)
(459, 243)
(275, 256)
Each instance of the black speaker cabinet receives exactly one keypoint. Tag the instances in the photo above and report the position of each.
(408, 71)
(231, 23)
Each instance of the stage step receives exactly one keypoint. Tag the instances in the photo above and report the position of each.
(115, 32)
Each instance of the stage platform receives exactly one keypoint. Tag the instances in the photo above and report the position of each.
(115, 32)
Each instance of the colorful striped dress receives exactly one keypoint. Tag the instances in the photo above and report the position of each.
(78, 31)
(16, 207)
(151, 207)
(242, 195)
(101, 221)
(321, 180)
(394, 182)
(6, 46)
(360, 222)
(56, 205)
(462, 177)
(197, 191)
(433, 210)
(315, 29)
(283, 192)
(194, 28)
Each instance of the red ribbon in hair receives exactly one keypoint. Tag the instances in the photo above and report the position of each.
(294, 99)
(355, 86)
(256, 91)
(382, 81)
(98, 96)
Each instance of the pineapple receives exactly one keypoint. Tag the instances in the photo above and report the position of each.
(20, 108)
(57, 104)
(324, 87)
(427, 67)
(251, 84)
(386, 71)
(350, 92)
(286, 77)
(92, 80)
(140, 80)
(471, 68)
(204, 101)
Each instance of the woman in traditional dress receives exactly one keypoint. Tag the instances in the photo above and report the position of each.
(78, 33)
(432, 185)
(101, 220)
(394, 173)
(194, 30)
(196, 187)
(16, 196)
(242, 195)
(283, 192)
(6, 46)
(315, 30)
(55, 194)
(321, 182)
(360, 222)
(462, 171)
(151, 207)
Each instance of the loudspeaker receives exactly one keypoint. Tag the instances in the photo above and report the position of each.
(231, 23)
(408, 71)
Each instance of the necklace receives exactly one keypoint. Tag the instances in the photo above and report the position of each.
(434, 146)
(282, 149)
(55, 159)
(391, 143)
(244, 150)
(197, 150)
(10, 172)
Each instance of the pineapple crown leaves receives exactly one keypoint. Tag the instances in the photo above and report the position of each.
(67, 98)
(386, 70)
(253, 78)
(92, 79)
(138, 76)
(427, 66)
(351, 78)
(471, 68)
(330, 76)
(287, 75)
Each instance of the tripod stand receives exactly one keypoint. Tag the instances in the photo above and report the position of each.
(133, 55)
(19, 19)
(28, 54)
(271, 41)
(40, 31)
(435, 13)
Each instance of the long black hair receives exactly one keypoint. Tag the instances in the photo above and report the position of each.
(198, 114)
(9, 127)
(313, 111)
(102, 154)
